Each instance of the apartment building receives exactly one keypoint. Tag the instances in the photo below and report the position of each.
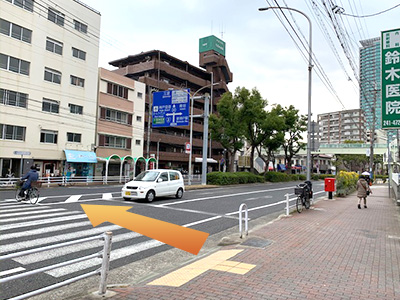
(120, 126)
(48, 85)
(340, 126)
(161, 71)
(370, 82)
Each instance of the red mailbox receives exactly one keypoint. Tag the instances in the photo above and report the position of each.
(329, 184)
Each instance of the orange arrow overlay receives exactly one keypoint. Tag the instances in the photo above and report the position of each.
(187, 239)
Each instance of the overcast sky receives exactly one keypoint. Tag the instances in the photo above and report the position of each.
(259, 50)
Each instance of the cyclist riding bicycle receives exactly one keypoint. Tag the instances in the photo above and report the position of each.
(30, 177)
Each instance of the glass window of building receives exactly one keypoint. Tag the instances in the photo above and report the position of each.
(78, 53)
(48, 136)
(52, 75)
(55, 16)
(50, 106)
(54, 46)
(77, 81)
(80, 26)
(11, 132)
(75, 109)
(74, 137)
(13, 98)
(14, 64)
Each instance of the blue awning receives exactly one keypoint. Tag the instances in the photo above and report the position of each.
(80, 156)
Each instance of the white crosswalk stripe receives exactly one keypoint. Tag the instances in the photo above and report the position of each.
(21, 230)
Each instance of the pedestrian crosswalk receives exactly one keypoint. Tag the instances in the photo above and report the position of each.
(24, 227)
(76, 198)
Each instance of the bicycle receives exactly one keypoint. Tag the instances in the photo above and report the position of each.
(31, 194)
(304, 194)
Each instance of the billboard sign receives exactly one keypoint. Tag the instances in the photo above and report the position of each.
(212, 43)
(171, 108)
(390, 77)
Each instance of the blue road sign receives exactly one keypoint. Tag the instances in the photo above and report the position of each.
(171, 108)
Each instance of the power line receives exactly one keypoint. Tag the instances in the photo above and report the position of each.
(371, 15)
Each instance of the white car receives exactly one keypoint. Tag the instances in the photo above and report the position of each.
(154, 183)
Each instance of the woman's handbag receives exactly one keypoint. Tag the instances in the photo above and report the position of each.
(368, 192)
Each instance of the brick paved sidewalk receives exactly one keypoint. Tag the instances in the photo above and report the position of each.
(332, 251)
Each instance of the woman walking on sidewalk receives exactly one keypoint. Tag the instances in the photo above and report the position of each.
(363, 191)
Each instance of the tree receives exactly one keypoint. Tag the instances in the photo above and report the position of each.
(226, 126)
(295, 125)
(274, 129)
(253, 116)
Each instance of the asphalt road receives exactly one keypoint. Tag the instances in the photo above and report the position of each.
(58, 217)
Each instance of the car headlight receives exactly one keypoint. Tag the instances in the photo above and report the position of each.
(141, 188)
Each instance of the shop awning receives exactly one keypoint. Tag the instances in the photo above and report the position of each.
(209, 160)
(80, 156)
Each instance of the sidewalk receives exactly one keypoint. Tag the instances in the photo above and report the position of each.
(332, 251)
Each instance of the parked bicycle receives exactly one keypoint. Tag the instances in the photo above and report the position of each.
(31, 194)
(304, 194)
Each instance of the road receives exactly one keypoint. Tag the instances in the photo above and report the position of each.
(58, 217)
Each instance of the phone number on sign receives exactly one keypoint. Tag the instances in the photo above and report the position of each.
(391, 123)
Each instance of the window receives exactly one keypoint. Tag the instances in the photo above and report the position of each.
(74, 137)
(139, 118)
(75, 109)
(78, 53)
(15, 31)
(115, 116)
(13, 98)
(164, 176)
(14, 64)
(117, 90)
(56, 16)
(50, 105)
(173, 175)
(48, 136)
(52, 75)
(80, 26)
(137, 142)
(114, 141)
(54, 46)
(10, 132)
(140, 95)
(25, 4)
(77, 81)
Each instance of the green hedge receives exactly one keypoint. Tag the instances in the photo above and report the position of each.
(224, 178)
(383, 177)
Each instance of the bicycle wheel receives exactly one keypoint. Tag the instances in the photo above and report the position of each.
(17, 196)
(307, 202)
(33, 195)
(299, 204)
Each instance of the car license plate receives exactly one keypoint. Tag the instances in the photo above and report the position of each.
(127, 193)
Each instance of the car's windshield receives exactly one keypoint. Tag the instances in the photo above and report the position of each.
(147, 176)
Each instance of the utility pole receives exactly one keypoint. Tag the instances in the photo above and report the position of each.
(150, 114)
(205, 139)
(372, 135)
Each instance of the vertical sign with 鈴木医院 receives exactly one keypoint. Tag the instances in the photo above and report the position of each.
(390, 87)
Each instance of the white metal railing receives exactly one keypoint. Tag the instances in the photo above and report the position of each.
(103, 271)
(69, 180)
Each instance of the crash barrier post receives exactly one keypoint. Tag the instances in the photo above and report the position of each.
(103, 271)
(246, 219)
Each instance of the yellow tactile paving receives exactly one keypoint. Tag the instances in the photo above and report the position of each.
(216, 261)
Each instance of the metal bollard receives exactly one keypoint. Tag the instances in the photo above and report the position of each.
(287, 204)
(106, 262)
(246, 219)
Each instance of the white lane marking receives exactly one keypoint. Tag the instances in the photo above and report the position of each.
(73, 198)
(115, 254)
(224, 196)
(41, 199)
(36, 257)
(41, 222)
(11, 271)
(107, 196)
(56, 238)
(31, 212)
(43, 230)
(38, 217)
(202, 221)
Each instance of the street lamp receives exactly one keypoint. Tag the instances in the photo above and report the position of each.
(191, 128)
(309, 85)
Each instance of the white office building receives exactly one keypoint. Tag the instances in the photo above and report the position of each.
(48, 85)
